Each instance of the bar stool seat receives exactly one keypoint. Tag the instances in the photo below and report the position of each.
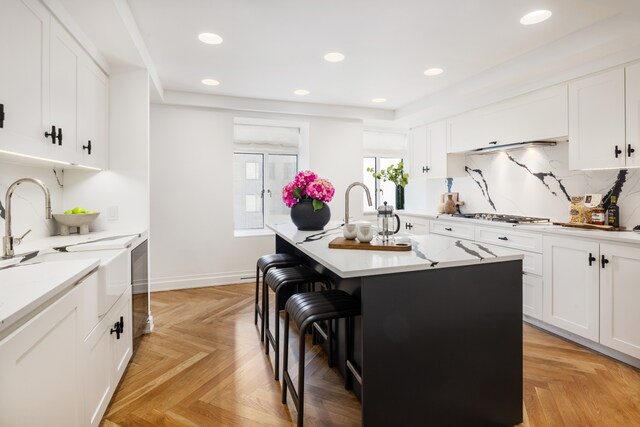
(279, 279)
(264, 264)
(305, 309)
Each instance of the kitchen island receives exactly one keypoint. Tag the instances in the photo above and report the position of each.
(439, 341)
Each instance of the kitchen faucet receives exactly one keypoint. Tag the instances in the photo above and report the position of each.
(8, 241)
(346, 199)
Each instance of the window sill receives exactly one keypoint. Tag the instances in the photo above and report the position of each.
(253, 233)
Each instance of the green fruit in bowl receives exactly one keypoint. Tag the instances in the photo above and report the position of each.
(78, 210)
(91, 212)
(69, 212)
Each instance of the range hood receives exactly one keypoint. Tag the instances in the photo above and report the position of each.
(513, 146)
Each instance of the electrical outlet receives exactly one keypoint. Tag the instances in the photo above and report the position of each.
(112, 213)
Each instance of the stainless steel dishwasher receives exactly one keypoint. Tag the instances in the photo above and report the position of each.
(140, 290)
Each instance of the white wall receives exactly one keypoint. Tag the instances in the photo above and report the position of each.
(126, 184)
(192, 192)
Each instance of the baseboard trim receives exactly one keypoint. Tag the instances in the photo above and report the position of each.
(200, 280)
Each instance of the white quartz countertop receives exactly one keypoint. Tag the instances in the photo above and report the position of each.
(428, 252)
(25, 287)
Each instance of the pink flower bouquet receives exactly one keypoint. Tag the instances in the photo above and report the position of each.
(307, 185)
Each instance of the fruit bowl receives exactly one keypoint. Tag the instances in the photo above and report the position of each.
(81, 221)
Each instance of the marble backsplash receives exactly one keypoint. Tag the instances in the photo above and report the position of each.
(534, 182)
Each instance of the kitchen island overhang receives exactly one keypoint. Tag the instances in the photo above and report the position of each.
(439, 341)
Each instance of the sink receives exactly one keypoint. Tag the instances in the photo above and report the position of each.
(113, 273)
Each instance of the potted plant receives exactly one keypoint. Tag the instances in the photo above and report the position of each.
(307, 196)
(396, 175)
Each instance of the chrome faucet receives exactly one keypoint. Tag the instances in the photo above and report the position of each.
(346, 199)
(8, 241)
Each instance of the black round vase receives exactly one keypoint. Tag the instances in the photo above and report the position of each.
(305, 218)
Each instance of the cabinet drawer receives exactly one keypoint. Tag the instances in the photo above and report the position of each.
(414, 225)
(532, 296)
(532, 263)
(509, 238)
(453, 229)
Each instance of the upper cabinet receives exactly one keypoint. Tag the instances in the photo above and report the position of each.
(24, 76)
(536, 116)
(54, 96)
(429, 158)
(633, 115)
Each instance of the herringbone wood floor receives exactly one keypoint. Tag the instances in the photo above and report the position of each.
(204, 366)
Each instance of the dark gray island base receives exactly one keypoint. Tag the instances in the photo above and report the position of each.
(438, 346)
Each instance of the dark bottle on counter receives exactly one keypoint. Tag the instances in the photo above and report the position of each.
(613, 213)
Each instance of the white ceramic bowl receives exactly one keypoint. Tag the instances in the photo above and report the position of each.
(81, 221)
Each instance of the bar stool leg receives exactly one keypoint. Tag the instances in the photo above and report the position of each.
(285, 358)
(276, 350)
(265, 319)
(347, 356)
(330, 339)
(255, 319)
(301, 357)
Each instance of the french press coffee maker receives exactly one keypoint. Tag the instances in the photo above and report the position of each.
(388, 223)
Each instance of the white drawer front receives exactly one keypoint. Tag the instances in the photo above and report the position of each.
(453, 229)
(532, 263)
(414, 225)
(532, 296)
(509, 238)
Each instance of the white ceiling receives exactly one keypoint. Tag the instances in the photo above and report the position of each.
(273, 47)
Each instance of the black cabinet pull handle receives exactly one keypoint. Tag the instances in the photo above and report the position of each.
(591, 259)
(617, 151)
(503, 238)
(604, 261)
(425, 169)
(493, 142)
(51, 134)
(630, 150)
(410, 226)
(59, 136)
(121, 323)
(2, 116)
(87, 147)
(448, 229)
(116, 329)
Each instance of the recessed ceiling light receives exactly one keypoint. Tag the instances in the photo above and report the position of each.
(334, 57)
(210, 82)
(535, 17)
(301, 92)
(210, 38)
(379, 100)
(433, 72)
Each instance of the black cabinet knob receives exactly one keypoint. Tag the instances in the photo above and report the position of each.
(493, 142)
(503, 238)
(591, 259)
(604, 261)
(51, 134)
(116, 330)
(59, 137)
(448, 229)
(87, 147)
(617, 151)
(630, 150)
(425, 169)
(1, 116)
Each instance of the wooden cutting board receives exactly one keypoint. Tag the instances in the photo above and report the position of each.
(589, 226)
(374, 245)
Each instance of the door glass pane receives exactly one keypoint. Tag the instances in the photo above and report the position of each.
(281, 168)
(247, 191)
(387, 192)
(369, 181)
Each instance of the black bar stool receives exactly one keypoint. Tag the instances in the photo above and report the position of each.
(279, 280)
(305, 309)
(265, 263)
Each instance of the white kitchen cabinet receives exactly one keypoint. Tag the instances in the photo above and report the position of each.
(619, 298)
(429, 158)
(24, 76)
(597, 121)
(532, 295)
(632, 79)
(92, 114)
(539, 115)
(40, 369)
(452, 229)
(106, 352)
(413, 224)
(571, 285)
(509, 238)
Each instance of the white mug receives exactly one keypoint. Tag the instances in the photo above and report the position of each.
(349, 231)
(364, 233)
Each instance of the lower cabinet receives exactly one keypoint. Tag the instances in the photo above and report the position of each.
(619, 298)
(414, 224)
(40, 376)
(106, 352)
(532, 295)
(571, 286)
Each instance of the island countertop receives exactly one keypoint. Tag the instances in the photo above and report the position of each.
(428, 252)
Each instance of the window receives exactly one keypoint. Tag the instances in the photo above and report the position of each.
(265, 159)
(382, 149)
(381, 191)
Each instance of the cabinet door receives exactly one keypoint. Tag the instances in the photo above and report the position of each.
(123, 347)
(468, 132)
(414, 225)
(532, 296)
(64, 78)
(619, 298)
(571, 286)
(418, 151)
(597, 121)
(24, 76)
(441, 164)
(97, 377)
(92, 116)
(40, 371)
(633, 115)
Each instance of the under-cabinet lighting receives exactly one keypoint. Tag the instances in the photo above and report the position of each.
(379, 100)
(430, 72)
(43, 159)
(514, 146)
(535, 17)
(210, 38)
(301, 92)
(334, 57)
(210, 82)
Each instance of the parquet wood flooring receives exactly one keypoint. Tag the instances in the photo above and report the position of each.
(204, 365)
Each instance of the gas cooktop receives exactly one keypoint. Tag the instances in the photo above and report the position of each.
(513, 219)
